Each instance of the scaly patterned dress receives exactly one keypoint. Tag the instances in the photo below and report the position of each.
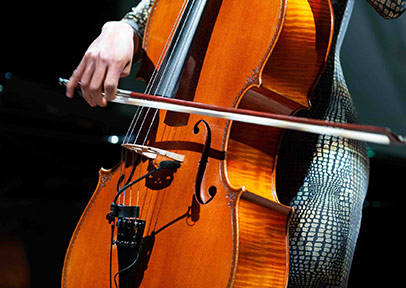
(323, 178)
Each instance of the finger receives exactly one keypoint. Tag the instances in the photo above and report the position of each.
(73, 81)
(96, 84)
(111, 82)
(85, 83)
(70, 86)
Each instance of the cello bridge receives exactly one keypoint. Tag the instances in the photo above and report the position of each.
(152, 152)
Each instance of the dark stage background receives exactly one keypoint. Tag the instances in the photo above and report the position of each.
(51, 148)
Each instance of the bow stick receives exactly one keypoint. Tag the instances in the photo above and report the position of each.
(372, 134)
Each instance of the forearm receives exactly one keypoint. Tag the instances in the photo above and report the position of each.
(389, 9)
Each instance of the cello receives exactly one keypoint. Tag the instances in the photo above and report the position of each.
(193, 201)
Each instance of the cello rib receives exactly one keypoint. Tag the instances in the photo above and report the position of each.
(263, 252)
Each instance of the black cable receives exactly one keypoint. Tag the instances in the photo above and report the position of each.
(132, 183)
(163, 165)
(111, 251)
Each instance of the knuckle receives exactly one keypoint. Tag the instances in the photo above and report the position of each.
(109, 86)
(92, 55)
(121, 59)
(74, 78)
(94, 88)
(84, 84)
(93, 91)
(104, 58)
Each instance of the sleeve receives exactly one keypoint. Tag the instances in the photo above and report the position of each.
(389, 9)
(138, 16)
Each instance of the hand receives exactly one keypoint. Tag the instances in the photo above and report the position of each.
(107, 59)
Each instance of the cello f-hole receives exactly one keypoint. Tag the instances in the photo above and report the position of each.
(202, 197)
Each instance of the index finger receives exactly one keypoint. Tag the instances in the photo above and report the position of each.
(74, 79)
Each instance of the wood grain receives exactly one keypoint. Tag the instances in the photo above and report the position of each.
(239, 238)
(263, 254)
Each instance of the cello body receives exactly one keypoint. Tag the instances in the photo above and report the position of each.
(216, 221)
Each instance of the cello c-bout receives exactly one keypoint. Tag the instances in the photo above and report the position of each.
(215, 221)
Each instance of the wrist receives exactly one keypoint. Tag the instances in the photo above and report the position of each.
(133, 25)
(137, 38)
(118, 26)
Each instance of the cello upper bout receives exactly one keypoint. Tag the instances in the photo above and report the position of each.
(300, 55)
(287, 80)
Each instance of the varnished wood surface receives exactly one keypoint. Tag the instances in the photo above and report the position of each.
(186, 236)
(89, 230)
(263, 250)
(302, 49)
(287, 80)
(211, 245)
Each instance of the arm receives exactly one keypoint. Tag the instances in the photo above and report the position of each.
(109, 57)
(389, 9)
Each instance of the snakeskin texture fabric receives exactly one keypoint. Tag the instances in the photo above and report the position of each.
(389, 9)
(323, 178)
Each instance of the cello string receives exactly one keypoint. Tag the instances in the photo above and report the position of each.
(177, 63)
(154, 75)
(156, 200)
(165, 92)
(150, 84)
(158, 197)
(136, 118)
(152, 80)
